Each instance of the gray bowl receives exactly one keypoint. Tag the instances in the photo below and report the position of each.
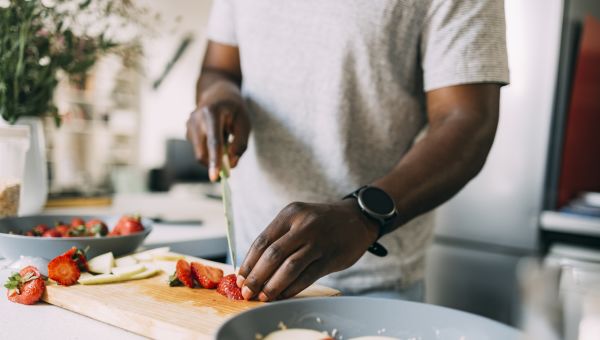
(13, 246)
(362, 316)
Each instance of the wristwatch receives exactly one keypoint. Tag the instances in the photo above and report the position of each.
(377, 205)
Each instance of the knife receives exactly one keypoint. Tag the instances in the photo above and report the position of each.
(225, 172)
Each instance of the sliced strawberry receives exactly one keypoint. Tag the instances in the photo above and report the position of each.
(183, 275)
(39, 229)
(228, 287)
(79, 256)
(208, 277)
(63, 229)
(64, 270)
(25, 287)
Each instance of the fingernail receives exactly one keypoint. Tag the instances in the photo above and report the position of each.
(247, 293)
(234, 161)
(213, 174)
(240, 281)
(263, 297)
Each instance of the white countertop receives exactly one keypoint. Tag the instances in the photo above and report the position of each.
(203, 240)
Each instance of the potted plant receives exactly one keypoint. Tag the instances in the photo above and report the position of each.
(42, 41)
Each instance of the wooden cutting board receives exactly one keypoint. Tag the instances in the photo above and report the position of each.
(151, 308)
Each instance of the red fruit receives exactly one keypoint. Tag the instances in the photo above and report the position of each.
(77, 221)
(40, 229)
(78, 255)
(52, 233)
(29, 233)
(114, 233)
(208, 277)
(96, 227)
(26, 287)
(228, 287)
(63, 229)
(129, 225)
(183, 275)
(64, 270)
(78, 231)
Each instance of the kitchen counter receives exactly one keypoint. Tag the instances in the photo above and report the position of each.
(181, 232)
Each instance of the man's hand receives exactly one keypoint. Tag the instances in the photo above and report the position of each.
(302, 244)
(221, 115)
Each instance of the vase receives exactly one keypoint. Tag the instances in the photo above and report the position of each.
(35, 180)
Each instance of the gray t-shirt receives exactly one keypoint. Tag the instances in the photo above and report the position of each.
(336, 92)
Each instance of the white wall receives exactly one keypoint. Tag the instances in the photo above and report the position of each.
(165, 111)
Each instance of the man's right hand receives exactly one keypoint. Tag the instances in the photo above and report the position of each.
(221, 117)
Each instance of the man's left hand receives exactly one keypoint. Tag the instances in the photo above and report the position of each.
(302, 244)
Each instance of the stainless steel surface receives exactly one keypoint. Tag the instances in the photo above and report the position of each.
(13, 246)
(502, 204)
(225, 172)
(361, 316)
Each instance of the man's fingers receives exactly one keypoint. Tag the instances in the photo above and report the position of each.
(287, 273)
(308, 277)
(240, 130)
(196, 136)
(214, 141)
(270, 260)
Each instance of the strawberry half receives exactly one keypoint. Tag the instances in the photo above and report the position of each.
(208, 277)
(25, 287)
(228, 287)
(78, 255)
(183, 275)
(64, 270)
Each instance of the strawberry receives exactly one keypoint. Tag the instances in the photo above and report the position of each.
(96, 227)
(25, 287)
(64, 270)
(208, 277)
(29, 233)
(182, 275)
(77, 221)
(63, 229)
(114, 233)
(78, 231)
(129, 225)
(52, 233)
(40, 229)
(78, 255)
(228, 287)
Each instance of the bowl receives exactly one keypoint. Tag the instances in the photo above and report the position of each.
(363, 316)
(12, 246)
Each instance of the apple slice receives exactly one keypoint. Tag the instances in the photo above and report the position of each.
(112, 278)
(168, 256)
(149, 272)
(136, 268)
(148, 254)
(125, 261)
(101, 264)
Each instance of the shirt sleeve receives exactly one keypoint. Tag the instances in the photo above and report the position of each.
(464, 41)
(221, 23)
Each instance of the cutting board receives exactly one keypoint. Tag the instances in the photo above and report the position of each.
(151, 308)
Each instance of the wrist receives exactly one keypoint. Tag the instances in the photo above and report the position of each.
(371, 226)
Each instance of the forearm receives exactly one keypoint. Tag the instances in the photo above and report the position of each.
(436, 168)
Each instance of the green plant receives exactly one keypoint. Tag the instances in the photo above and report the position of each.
(38, 39)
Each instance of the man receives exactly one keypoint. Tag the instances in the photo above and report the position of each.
(335, 93)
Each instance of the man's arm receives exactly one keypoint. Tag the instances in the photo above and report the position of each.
(220, 110)
(308, 241)
(462, 126)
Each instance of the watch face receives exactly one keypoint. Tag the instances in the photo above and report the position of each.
(377, 200)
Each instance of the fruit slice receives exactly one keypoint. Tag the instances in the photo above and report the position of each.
(168, 256)
(228, 287)
(129, 269)
(79, 256)
(182, 275)
(208, 277)
(125, 261)
(64, 270)
(111, 278)
(102, 264)
(147, 255)
(149, 272)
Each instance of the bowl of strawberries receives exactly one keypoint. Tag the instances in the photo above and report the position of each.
(47, 236)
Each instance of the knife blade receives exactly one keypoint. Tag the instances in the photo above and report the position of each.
(225, 173)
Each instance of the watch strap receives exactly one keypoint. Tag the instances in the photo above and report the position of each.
(376, 248)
